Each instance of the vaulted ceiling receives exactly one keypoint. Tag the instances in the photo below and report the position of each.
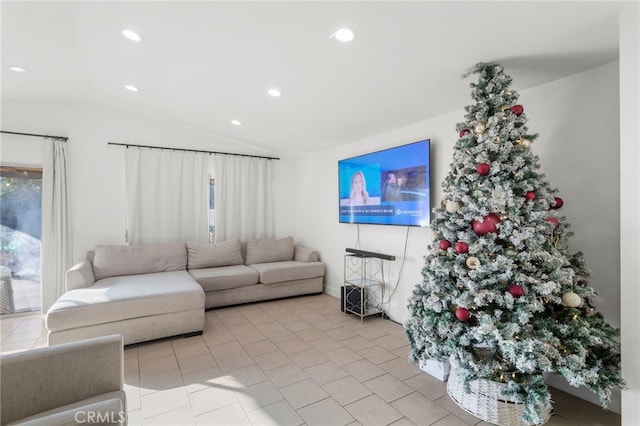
(202, 64)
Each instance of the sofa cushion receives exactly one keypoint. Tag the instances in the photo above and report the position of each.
(276, 272)
(269, 250)
(211, 255)
(225, 277)
(124, 297)
(112, 261)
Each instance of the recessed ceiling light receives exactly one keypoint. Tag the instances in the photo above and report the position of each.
(131, 88)
(18, 69)
(131, 35)
(274, 92)
(344, 35)
(236, 122)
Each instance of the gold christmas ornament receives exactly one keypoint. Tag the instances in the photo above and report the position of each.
(472, 262)
(479, 128)
(571, 300)
(526, 143)
(452, 206)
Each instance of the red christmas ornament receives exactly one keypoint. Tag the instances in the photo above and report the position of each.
(461, 247)
(463, 314)
(488, 225)
(445, 244)
(483, 169)
(464, 132)
(516, 290)
(517, 110)
(554, 220)
(559, 202)
(530, 196)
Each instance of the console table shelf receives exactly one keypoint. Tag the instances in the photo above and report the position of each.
(363, 290)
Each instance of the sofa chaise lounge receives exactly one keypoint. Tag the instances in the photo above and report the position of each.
(161, 290)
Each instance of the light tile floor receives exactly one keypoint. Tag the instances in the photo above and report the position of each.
(26, 295)
(298, 361)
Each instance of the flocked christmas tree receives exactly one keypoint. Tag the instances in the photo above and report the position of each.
(502, 298)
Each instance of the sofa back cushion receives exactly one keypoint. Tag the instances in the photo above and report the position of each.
(226, 253)
(112, 261)
(269, 250)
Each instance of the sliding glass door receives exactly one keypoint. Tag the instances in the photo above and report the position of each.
(20, 239)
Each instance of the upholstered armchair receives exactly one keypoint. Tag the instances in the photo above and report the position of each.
(70, 383)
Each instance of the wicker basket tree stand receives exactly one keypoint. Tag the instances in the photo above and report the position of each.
(483, 399)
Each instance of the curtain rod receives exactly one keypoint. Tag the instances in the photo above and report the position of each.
(64, 138)
(190, 150)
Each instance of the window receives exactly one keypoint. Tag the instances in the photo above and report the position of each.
(20, 238)
(212, 207)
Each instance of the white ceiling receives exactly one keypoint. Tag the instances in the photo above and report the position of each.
(204, 63)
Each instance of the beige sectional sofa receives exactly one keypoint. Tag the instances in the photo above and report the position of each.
(161, 290)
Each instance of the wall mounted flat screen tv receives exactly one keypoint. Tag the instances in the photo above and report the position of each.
(388, 187)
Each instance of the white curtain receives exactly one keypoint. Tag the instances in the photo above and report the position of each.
(167, 196)
(57, 253)
(244, 206)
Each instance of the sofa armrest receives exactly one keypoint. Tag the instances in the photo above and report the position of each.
(43, 379)
(80, 275)
(304, 254)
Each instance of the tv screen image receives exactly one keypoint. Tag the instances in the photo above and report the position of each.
(388, 187)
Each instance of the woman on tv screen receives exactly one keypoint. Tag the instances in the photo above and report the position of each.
(358, 195)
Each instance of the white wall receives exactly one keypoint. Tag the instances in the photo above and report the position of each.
(630, 210)
(97, 170)
(579, 145)
(578, 122)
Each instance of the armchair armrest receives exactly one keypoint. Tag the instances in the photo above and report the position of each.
(80, 275)
(304, 254)
(43, 379)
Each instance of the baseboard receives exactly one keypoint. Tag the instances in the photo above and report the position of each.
(332, 291)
